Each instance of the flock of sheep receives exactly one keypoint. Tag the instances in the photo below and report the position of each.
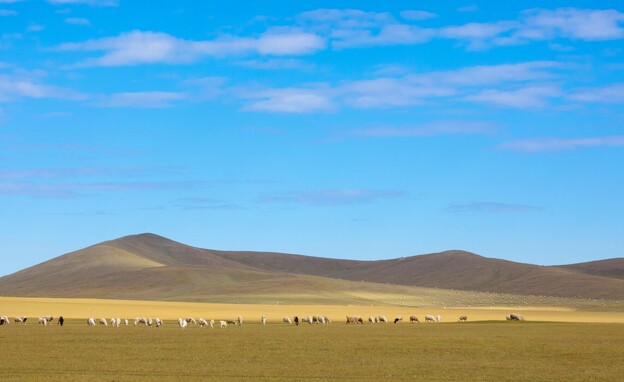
(202, 322)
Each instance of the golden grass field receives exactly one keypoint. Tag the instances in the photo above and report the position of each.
(553, 344)
(83, 308)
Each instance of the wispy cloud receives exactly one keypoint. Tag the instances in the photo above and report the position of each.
(430, 129)
(609, 94)
(417, 15)
(7, 12)
(333, 197)
(492, 207)
(290, 100)
(524, 98)
(139, 47)
(78, 21)
(17, 86)
(92, 3)
(534, 145)
(155, 99)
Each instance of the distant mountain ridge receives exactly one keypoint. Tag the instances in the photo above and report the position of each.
(148, 266)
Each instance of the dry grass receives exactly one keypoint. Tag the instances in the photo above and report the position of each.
(82, 308)
(485, 351)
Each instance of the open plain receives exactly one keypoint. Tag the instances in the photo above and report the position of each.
(553, 344)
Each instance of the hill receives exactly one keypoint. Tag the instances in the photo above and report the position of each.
(613, 268)
(151, 267)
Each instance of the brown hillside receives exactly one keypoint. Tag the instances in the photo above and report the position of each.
(148, 266)
(613, 268)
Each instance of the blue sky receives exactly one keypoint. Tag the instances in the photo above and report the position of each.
(349, 129)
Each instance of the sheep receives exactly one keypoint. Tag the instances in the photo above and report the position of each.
(126, 321)
(508, 317)
(321, 319)
(4, 320)
(430, 318)
(327, 320)
(296, 320)
(383, 319)
(91, 322)
(233, 322)
(150, 322)
(239, 320)
(355, 320)
(49, 319)
(263, 320)
(43, 321)
(211, 323)
(20, 320)
(310, 320)
(182, 323)
(516, 317)
(414, 319)
(113, 322)
(398, 318)
(202, 322)
(287, 320)
(376, 319)
(158, 322)
(463, 318)
(190, 320)
(103, 321)
(438, 318)
(60, 321)
(223, 324)
(371, 319)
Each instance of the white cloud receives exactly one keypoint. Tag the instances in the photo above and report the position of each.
(290, 100)
(425, 130)
(154, 99)
(524, 98)
(278, 64)
(491, 207)
(14, 87)
(608, 94)
(138, 47)
(573, 23)
(92, 3)
(78, 21)
(333, 197)
(534, 145)
(417, 15)
(10, 1)
(389, 92)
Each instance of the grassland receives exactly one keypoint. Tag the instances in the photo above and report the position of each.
(474, 351)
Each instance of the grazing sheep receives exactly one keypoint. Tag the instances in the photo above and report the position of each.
(327, 320)
(126, 321)
(355, 320)
(4, 320)
(202, 323)
(383, 319)
(211, 324)
(91, 322)
(182, 323)
(118, 321)
(463, 318)
(516, 317)
(438, 318)
(150, 322)
(43, 321)
(263, 320)
(158, 322)
(113, 322)
(376, 319)
(190, 320)
(371, 319)
(239, 320)
(103, 321)
(49, 319)
(232, 322)
(322, 319)
(60, 321)
(20, 320)
(287, 320)
(414, 319)
(223, 324)
(398, 318)
(430, 318)
(296, 320)
(508, 317)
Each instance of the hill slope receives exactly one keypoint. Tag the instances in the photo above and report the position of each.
(148, 266)
(613, 268)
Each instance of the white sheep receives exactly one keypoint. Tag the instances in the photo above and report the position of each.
(190, 320)
(20, 320)
(287, 320)
(322, 319)
(263, 320)
(383, 319)
(239, 320)
(43, 321)
(150, 322)
(126, 321)
(182, 322)
(223, 324)
(158, 322)
(430, 318)
(211, 323)
(4, 320)
(103, 321)
(91, 322)
(113, 322)
(202, 322)
(371, 319)
(438, 318)
(414, 319)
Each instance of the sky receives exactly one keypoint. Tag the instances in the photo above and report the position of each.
(346, 129)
